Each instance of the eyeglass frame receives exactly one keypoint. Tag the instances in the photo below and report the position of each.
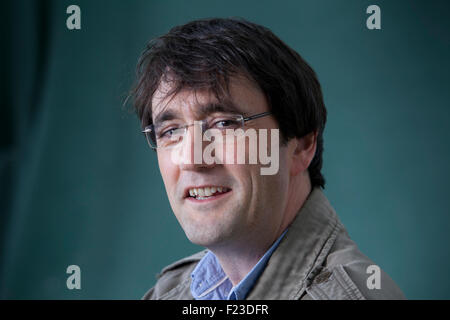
(150, 128)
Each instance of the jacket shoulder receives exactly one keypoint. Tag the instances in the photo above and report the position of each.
(182, 263)
(174, 280)
(349, 274)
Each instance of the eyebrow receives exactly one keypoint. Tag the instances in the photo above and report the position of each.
(166, 116)
(202, 110)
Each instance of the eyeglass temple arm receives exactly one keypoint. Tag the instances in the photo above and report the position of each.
(256, 116)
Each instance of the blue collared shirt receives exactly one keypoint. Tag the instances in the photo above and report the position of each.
(209, 281)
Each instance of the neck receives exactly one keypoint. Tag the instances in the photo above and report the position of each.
(239, 263)
(239, 257)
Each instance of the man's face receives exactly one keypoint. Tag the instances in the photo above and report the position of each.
(250, 207)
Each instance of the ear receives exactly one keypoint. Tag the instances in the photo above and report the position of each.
(304, 150)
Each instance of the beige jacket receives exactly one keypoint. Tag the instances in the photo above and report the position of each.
(316, 259)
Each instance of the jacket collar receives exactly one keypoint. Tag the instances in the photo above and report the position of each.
(301, 252)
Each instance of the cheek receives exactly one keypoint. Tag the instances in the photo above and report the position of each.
(273, 188)
(168, 170)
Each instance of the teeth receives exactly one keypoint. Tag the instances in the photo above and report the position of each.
(203, 193)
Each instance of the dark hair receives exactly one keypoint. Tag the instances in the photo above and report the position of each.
(204, 54)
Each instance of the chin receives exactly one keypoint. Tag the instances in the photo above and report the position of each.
(206, 235)
(203, 240)
(206, 229)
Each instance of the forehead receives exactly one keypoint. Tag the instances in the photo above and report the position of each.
(244, 97)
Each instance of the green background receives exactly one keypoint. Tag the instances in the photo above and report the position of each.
(78, 184)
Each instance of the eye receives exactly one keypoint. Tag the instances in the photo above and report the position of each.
(226, 123)
(167, 133)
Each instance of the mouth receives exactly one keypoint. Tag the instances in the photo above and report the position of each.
(206, 193)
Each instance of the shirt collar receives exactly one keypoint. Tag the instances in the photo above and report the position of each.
(209, 281)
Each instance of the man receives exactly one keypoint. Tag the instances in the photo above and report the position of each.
(268, 236)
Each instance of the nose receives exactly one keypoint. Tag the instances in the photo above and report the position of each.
(192, 149)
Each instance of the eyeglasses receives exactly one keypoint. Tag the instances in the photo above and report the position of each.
(171, 133)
